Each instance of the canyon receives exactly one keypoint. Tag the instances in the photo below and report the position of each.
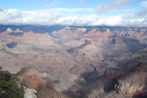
(77, 61)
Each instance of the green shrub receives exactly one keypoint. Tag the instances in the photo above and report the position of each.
(9, 87)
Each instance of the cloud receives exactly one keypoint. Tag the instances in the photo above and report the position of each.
(72, 10)
(142, 13)
(10, 16)
(115, 5)
(1, 10)
(50, 17)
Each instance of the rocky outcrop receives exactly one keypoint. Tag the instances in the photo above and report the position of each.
(30, 93)
(31, 78)
(9, 30)
(133, 84)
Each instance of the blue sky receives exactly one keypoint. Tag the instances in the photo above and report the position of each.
(44, 4)
(74, 12)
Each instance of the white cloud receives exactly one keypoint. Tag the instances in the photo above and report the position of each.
(47, 17)
(112, 6)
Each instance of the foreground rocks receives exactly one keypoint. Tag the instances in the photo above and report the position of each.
(30, 93)
(133, 84)
(32, 79)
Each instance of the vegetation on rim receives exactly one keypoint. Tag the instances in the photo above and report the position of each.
(9, 88)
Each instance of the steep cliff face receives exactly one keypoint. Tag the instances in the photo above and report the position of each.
(133, 83)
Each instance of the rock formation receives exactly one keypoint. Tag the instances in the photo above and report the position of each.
(134, 84)
(32, 79)
(30, 93)
(9, 30)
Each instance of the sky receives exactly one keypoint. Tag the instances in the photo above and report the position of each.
(74, 12)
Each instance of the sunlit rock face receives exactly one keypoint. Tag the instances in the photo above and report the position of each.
(31, 78)
(8, 30)
(30, 93)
